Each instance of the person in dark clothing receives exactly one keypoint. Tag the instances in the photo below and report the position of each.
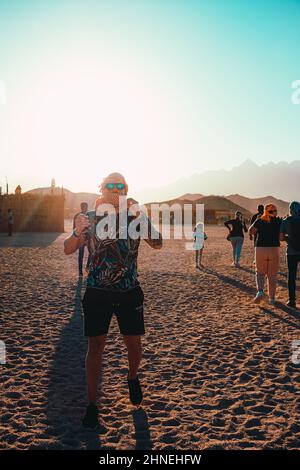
(259, 213)
(236, 228)
(10, 221)
(84, 209)
(267, 252)
(290, 232)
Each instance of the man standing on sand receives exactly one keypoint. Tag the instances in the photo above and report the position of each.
(112, 287)
(84, 209)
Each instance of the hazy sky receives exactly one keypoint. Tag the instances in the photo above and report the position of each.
(155, 89)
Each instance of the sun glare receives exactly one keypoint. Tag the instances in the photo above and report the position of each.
(86, 118)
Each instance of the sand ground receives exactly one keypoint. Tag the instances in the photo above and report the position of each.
(217, 370)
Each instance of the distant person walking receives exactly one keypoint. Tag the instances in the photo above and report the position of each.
(259, 213)
(84, 209)
(199, 237)
(290, 232)
(236, 227)
(267, 251)
(10, 221)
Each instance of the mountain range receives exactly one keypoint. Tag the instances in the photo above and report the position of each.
(282, 180)
(251, 204)
(229, 203)
(211, 203)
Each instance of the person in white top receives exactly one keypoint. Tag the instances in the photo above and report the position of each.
(199, 236)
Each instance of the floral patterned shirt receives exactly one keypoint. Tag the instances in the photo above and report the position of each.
(113, 260)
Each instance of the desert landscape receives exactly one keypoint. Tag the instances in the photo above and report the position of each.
(217, 370)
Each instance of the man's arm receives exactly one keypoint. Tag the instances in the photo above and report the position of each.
(72, 243)
(154, 238)
(227, 224)
(76, 239)
(253, 219)
(283, 232)
(253, 229)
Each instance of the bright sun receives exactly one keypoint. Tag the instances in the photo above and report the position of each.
(91, 117)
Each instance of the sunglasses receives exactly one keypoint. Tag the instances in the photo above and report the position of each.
(272, 212)
(115, 185)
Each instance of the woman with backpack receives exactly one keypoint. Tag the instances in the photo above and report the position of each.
(236, 228)
(290, 232)
(267, 251)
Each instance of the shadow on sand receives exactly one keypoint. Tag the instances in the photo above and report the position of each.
(67, 389)
(292, 312)
(28, 239)
(295, 314)
(142, 430)
(66, 399)
(230, 280)
(280, 273)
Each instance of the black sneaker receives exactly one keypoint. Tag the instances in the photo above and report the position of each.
(291, 303)
(90, 420)
(135, 391)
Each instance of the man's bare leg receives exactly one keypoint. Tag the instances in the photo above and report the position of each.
(93, 364)
(134, 348)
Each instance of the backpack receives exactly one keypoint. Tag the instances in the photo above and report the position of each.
(294, 233)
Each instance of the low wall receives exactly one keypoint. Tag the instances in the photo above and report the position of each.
(33, 213)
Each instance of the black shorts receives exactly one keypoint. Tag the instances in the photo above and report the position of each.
(99, 307)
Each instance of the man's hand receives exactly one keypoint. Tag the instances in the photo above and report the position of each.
(283, 237)
(132, 202)
(72, 243)
(81, 223)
